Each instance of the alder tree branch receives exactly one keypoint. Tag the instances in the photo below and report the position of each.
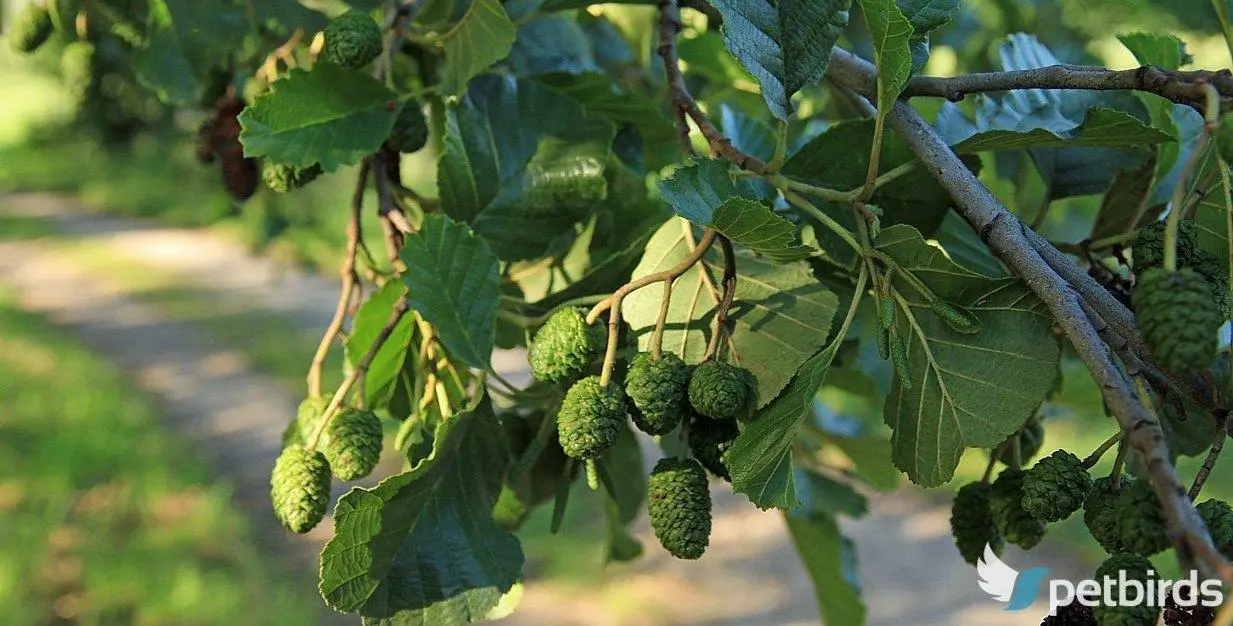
(1008, 238)
(1213, 455)
(1180, 87)
(720, 324)
(349, 280)
(683, 103)
(396, 314)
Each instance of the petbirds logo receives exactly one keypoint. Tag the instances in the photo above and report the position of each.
(1018, 589)
(1006, 584)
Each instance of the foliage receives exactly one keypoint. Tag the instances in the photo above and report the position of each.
(809, 252)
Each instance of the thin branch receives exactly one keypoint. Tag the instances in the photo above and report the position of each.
(672, 273)
(1213, 455)
(683, 102)
(400, 309)
(1007, 237)
(720, 324)
(349, 281)
(1180, 87)
(661, 322)
(1094, 458)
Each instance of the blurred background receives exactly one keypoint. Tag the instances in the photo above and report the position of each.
(154, 334)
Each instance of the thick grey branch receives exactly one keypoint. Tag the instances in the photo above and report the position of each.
(1008, 238)
(1180, 87)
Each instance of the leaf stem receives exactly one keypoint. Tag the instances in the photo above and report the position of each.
(1210, 122)
(665, 303)
(801, 203)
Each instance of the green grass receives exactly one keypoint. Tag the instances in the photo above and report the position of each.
(108, 519)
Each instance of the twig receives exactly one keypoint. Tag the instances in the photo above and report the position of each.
(613, 303)
(672, 273)
(349, 280)
(683, 102)
(400, 309)
(720, 324)
(1213, 455)
(1181, 87)
(665, 303)
(1007, 237)
(1094, 458)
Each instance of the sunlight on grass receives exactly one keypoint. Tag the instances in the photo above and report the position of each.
(107, 518)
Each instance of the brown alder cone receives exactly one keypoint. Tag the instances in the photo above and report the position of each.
(240, 174)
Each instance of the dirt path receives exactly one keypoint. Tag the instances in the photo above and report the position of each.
(909, 569)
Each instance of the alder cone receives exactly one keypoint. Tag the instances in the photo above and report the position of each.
(352, 40)
(710, 440)
(1100, 515)
(1141, 522)
(564, 346)
(1006, 503)
(300, 488)
(1179, 316)
(656, 388)
(353, 443)
(1056, 487)
(590, 419)
(241, 174)
(679, 505)
(971, 522)
(1136, 568)
(719, 390)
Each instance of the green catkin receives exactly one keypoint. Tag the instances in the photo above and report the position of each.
(888, 312)
(957, 320)
(899, 355)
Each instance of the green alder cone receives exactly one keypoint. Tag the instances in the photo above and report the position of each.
(282, 178)
(31, 28)
(1149, 246)
(709, 441)
(590, 419)
(679, 505)
(300, 488)
(1136, 568)
(1218, 517)
(564, 346)
(306, 416)
(353, 443)
(1100, 515)
(656, 388)
(971, 522)
(1056, 487)
(1031, 437)
(1006, 502)
(410, 131)
(1141, 520)
(1179, 318)
(352, 40)
(720, 391)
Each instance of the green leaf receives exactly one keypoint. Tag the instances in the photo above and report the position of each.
(482, 37)
(824, 494)
(379, 562)
(705, 193)
(968, 390)
(1211, 218)
(965, 247)
(552, 43)
(785, 44)
(332, 115)
(915, 198)
(457, 564)
(760, 460)
(1121, 208)
(781, 318)
(599, 97)
(452, 282)
(890, 31)
(1162, 50)
(185, 39)
(925, 16)
(383, 372)
(830, 559)
(1101, 128)
(522, 164)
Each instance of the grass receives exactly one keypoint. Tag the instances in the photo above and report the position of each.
(108, 519)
